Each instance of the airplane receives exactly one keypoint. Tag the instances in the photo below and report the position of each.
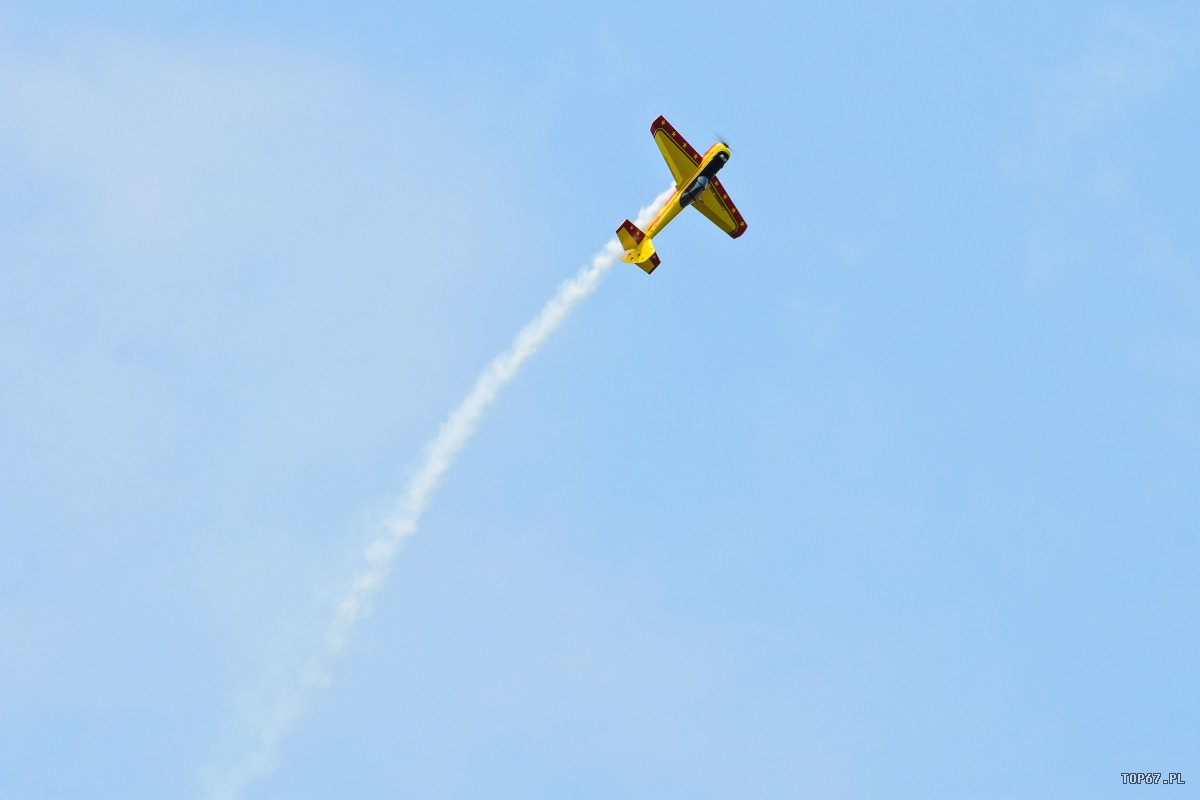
(696, 185)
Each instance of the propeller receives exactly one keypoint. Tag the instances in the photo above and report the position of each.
(722, 140)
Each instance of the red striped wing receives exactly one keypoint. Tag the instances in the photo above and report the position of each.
(715, 204)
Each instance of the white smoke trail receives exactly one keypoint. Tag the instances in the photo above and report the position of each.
(439, 458)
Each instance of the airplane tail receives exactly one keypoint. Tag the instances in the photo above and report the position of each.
(639, 249)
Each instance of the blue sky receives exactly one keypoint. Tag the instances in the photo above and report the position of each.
(895, 496)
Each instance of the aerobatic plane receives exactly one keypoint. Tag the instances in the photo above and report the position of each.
(696, 185)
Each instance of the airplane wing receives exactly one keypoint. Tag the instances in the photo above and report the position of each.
(715, 204)
(680, 156)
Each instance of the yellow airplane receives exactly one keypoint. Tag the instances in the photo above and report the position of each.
(696, 185)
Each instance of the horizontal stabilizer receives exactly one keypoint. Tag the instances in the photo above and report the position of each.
(639, 249)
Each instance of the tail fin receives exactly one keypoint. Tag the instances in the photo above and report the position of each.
(639, 249)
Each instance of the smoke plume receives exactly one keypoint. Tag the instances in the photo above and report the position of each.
(439, 457)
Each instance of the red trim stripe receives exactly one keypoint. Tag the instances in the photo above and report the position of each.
(634, 231)
(730, 207)
(661, 124)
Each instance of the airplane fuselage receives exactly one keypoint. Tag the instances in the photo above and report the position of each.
(687, 191)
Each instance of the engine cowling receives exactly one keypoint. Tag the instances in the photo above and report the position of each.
(702, 181)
